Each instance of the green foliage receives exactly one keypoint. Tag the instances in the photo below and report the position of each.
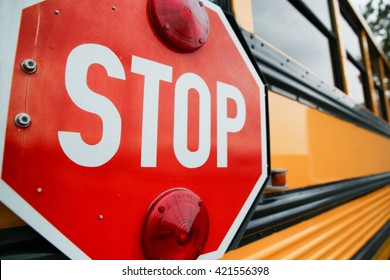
(377, 14)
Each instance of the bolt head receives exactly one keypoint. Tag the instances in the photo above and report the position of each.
(29, 66)
(22, 120)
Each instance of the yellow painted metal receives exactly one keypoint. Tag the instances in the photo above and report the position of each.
(317, 148)
(8, 218)
(242, 10)
(383, 252)
(337, 234)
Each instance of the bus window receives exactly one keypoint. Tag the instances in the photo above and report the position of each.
(351, 40)
(355, 84)
(379, 96)
(282, 25)
(387, 87)
(355, 71)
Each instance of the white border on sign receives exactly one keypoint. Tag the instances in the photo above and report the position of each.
(10, 15)
(248, 203)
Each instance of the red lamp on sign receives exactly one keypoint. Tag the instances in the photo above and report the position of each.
(176, 226)
(181, 24)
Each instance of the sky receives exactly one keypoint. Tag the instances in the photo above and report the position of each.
(358, 4)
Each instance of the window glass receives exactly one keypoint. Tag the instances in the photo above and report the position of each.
(321, 9)
(378, 90)
(355, 85)
(351, 40)
(374, 65)
(378, 102)
(387, 83)
(279, 23)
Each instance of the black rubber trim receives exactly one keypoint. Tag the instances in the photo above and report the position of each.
(277, 211)
(372, 246)
(24, 243)
(289, 78)
(224, 4)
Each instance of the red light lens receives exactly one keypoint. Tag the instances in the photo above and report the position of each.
(176, 226)
(182, 24)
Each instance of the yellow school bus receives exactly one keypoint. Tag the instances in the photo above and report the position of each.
(329, 132)
(328, 194)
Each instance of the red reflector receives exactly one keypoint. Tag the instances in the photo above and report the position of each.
(182, 24)
(176, 226)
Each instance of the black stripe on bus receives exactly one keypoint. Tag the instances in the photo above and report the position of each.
(372, 246)
(24, 243)
(277, 211)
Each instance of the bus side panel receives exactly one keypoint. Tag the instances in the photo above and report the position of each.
(336, 234)
(318, 148)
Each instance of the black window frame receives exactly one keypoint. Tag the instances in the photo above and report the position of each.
(331, 35)
(347, 15)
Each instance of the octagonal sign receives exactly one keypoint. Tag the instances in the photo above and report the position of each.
(99, 116)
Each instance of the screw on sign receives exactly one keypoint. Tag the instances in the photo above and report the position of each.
(114, 150)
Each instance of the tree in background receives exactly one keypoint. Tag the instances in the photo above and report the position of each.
(377, 14)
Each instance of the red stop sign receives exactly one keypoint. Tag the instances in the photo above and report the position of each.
(118, 117)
